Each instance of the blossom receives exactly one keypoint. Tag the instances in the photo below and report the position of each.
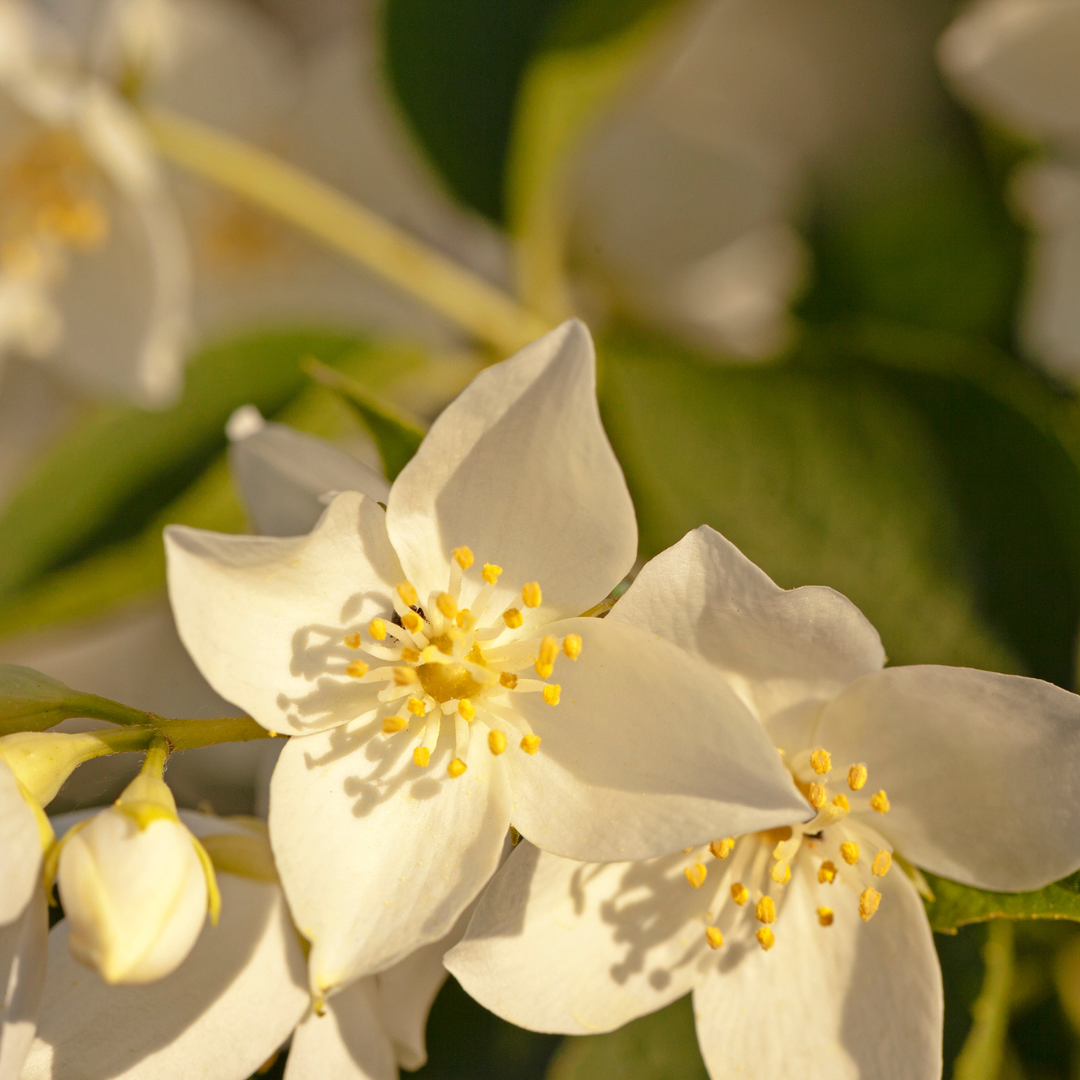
(814, 931)
(418, 679)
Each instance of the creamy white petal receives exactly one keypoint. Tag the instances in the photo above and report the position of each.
(577, 948)
(20, 848)
(982, 770)
(265, 618)
(23, 953)
(219, 1016)
(852, 1001)
(346, 1043)
(649, 751)
(784, 651)
(377, 855)
(519, 469)
(282, 473)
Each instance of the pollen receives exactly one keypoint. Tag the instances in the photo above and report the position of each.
(856, 777)
(766, 938)
(466, 708)
(496, 742)
(353, 641)
(491, 573)
(880, 802)
(882, 862)
(404, 675)
(869, 899)
(508, 679)
(826, 873)
(816, 795)
(393, 724)
(513, 618)
(408, 594)
(377, 629)
(781, 872)
(456, 768)
(551, 693)
(357, 669)
(722, 848)
(821, 761)
(463, 556)
(696, 874)
(765, 911)
(421, 755)
(825, 916)
(571, 645)
(531, 594)
(447, 605)
(530, 743)
(713, 937)
(739, 893)
(411, 621)
(416, 706)
(842, 802)
(850, 852)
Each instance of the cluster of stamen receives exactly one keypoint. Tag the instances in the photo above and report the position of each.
(442, 661)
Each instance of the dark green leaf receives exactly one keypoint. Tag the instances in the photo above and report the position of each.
(955, 905)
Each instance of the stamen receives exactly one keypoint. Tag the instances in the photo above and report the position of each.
(466, 708)
(551, 693)
(781, 873)
(530, 743)
(416, 706)
(496, 742)
(869, 899)
(531, 594)
(882, 862)
(696, 874)
(411, 621)
(765, 911)
(447, 605)
(545, 662)
(407, 592)
(421, 755)
(357, 669)
(816, 795)
(456, 768)
(713, 937)
(377, 629)
(404, 675)
(571, 645)
(513, 618)
(508, 679)
(856, 777)
(739, 893)
(463, 556)
(491, 573)
(842, 802)
(880, 802)
(826, 874)
(722, 848)
(466, 620)
(849, 850)
(766, 938)
(825, 916)
(821, 761)
(393, 724)
(410, 655)
(353, 640)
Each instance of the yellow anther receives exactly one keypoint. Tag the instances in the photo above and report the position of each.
(722, 848)
(781, 873)
(411, 621)
(880, 802)
(421, 755)
(407, 593)
(456, 768)
(531, 594)
(842, 802)
(463, 556)
(739, 893)
(765, 938)
(856, 777)
(466, 708)
(849, 850)
(549, 650)
(357, 669)
(393, 724)
(353, 641)
(571, 645)
(507, 679)
(868, 903)
(530, 743)
(466, 619)
(826, 874)
(544, 670)
(410, 655)
(404, 675)
(447, 605)
(696, 874)
(491, 573)
(551, 693)
(377, 629)
(821, 762)
(816, 795)
(713, 937)
(882, 862)
(496, 742)
(825, 916)
(416, 706)
(513, 618)
(765, 911)
(687, 850)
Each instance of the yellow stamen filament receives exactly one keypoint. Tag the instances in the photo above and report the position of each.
(739, 893)
(882, 862)
(421, 755)
(508, 679)
(404, 675)
(722, 848)
(411, 621)
(408, 594)
(416, 706)
(530, 743)
(696, 874)
(456, 768)
(880, 802)
(825, 916)
(447, 605)
(765, 911)
(466, 708)
(531, 594)
(766, 938)
(781, 873)
(816, 795)
(842, 802)
(353, 641)
(571, 645)
(551, 693)
(513, 618)
(393, 724)
(463, 556)
(869, 899)
(821, 762)
(856, 777)
(491, 573)
(410, 655)
(357, 669)
(826, 874)
(496, 742)
(377, 629)
(849, 850)
(713, 937)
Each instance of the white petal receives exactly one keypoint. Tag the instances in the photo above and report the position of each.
(346, 1043)
(519, 469)
(265, 618)
(648, 751)
(849, 1001)
(20, 848)
(23, 954)
(577, 948)
(282, 473)
(981, 770)
(784, 651)
(219, 1016)
(378, 856)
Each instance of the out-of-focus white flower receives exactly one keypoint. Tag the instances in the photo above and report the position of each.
(801, 930)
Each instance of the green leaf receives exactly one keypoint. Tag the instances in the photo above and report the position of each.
(955, 905)
(662, 1046)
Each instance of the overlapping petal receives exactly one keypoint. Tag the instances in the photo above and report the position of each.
(265, 618)
(20, 848)
(519, 469)
(982, 770)
(23, 954)
(648, 751)
(377, 855)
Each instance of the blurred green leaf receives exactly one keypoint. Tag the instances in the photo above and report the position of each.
(955, 905)
(984, 1048)
(657, 1047)
(31, 701)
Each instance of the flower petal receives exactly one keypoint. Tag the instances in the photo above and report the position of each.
(649, 751)
(853, 1000)
(220, 1015)
(981, 770)
(377, 855)
(346, 1043)
(265, 618)
(784, 651)
(577, 948)
(519, 469)
(20, 849)
(23, 951)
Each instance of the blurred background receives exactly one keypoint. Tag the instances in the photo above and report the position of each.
(829, 249)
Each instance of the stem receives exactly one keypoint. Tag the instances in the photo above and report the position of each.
(984, 1049)
(179, 735)
(474, 304)
(156, 753)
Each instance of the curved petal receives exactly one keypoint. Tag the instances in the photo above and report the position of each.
(20, 848)
(784, 651)
(219, 1016)
(649, 751)
(519, 469)
(378, 856)
(346, 1043)
(853, 1000)
(577, 948)
(265, 619)
(982, 770)
(24, 947)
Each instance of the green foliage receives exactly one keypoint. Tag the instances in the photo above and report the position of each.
(955, 905)
(31, 701)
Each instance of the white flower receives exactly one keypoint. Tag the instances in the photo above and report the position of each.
(418, 682)
(20, 848)
(800, 940)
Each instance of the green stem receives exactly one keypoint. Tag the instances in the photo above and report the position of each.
(173, 735)
(282, 189)
(984, 1049)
